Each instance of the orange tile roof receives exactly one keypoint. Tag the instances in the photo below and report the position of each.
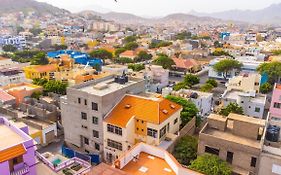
(46, 68)
(185, 63)
(104, 169)
(12, 152)
(147, 109)
(278, 86)
(128, 53)
(4, 96)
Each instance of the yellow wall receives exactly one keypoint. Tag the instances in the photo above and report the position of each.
(37, 134)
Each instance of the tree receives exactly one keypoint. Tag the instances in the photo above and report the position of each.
(119, 51)
(19, 29)
(266, 88)
(164, 61)
(206, 87)
(212, 82)
(40, 59)
(39, 81)
(143, 56)
(131, 46)
(277, 52)
(186, 150)
(183, 35)
(189, 109)
(211, 165)
(191, 80)
(129, 39)
(158, 44)
(179, 86)
(231, 108)
(226, 65)
(136, 67)
(55, 86)
(123, 60)
(217, 44)
(9, 48)
(272, 70)
(102, 54)
(35, 31)
(36, 95)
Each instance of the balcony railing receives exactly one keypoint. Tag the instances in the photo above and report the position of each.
(21, 171)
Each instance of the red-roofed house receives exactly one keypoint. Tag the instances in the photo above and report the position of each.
(128, 54)
(6, 99)
(186, 65)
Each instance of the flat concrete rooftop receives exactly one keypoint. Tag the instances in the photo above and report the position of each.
(234, 94)
(9, 137)
(105, 87)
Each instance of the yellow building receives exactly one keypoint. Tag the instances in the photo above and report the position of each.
(40, 71)
(245, 82)
(139, 119)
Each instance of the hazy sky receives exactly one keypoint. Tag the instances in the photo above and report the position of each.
(159, 7)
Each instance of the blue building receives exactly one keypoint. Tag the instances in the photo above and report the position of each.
(79, 57)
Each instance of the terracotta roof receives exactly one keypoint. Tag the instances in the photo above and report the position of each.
(150, 110)
(12, 152)
(104, 169)
(4, 96)
(128, 53)
(46, 68)
(185, 63)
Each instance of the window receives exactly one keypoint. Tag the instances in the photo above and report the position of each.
(175, 121)
(85, 102)
(79, 100)
(85, 127)
(163, 131)
(253, 162)
(152, 132)
(114, 144)
(86, 141)
(95, 134)
(242, 101)
(97, 146)
(83, 115)
(277, 105)
(114, 129)
(257, 109)
(95, 120)
(212, 150)
(257, 83)
(94, 106)
(229, 157)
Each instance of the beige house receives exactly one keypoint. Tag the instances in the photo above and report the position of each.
(246, 82)
(139, 119)
(237, 139)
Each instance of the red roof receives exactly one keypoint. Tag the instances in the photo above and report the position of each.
(185, 63)
(4, 96)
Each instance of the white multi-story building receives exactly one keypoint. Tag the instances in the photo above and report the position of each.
(11, 76)
(202, 100)
(17, 41)
(85, 106)
(250, 64)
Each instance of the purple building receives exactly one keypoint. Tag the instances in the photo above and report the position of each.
(17, 150)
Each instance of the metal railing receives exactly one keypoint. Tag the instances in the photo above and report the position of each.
(21, 171)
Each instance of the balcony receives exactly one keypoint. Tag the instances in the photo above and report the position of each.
(20, 170)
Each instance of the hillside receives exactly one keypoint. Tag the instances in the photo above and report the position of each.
(8, 6)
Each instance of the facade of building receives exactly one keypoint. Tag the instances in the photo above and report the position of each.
(245, 82)
(85, 106)
(17, 152)
(139, 119)
(41, 71)
(156, 77)
(11, 76)
(202, 100)
(250, 65)
(237, 139)
(17, 41)
(275, 107)
(253, 104)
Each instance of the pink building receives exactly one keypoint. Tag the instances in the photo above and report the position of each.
(17, 150)
(275, 106)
